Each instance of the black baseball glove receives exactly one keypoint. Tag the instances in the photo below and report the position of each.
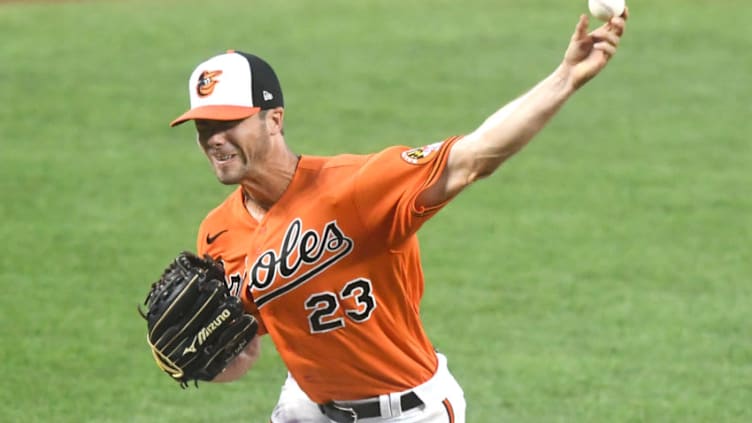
(195, 327)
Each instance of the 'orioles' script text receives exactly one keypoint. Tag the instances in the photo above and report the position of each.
(301, 256)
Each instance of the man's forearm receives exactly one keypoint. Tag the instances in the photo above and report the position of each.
(510, 128)
(242, 363)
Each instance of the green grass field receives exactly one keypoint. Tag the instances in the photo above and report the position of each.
(603, 275)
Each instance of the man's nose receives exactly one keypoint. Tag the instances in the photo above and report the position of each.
(216, 139)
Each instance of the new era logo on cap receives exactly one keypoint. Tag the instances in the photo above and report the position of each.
(231, 86)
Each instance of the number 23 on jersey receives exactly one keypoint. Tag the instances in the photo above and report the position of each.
(325, 305)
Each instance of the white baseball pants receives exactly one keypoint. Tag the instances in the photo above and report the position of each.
(442, 397)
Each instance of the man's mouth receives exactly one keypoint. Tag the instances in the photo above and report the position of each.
(222, 158)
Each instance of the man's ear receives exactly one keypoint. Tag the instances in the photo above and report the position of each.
(274, 120)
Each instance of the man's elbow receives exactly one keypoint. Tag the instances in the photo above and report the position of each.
(485, 165)
(479, 156)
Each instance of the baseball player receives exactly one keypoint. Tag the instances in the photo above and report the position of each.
(323, 250)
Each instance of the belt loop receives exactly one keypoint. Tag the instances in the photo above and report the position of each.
(385, 406)
(395, 402)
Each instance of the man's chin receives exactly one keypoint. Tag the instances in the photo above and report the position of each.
(228, 179)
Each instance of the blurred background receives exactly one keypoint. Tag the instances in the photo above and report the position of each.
(603, 275)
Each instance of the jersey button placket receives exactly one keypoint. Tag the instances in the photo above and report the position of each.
(259, 240)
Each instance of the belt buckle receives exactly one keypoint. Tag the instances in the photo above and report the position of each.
(350, 412)
(339, 413)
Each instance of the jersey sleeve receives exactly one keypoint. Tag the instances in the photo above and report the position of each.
(201, 245)
(388, 184)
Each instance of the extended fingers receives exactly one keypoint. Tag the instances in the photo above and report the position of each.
(625, 14)
(606, 36)
(580, 31)
(618, 23)
(607, 48)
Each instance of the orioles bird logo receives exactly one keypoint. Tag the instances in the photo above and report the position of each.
(420, 154)
(415, 154)
(206, 82)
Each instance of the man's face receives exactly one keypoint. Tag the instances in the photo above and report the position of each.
(236, 148)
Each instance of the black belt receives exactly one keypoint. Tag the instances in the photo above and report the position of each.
(365, 410)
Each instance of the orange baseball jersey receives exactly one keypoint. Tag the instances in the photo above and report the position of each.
(332, 272)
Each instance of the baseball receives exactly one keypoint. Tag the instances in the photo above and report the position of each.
(606, 9)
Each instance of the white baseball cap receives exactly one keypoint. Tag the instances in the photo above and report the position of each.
(231, 86)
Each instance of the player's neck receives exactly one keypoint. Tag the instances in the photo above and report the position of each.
(254, 209)
(262, 192)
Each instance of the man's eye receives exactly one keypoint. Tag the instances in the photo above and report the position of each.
(215, 126)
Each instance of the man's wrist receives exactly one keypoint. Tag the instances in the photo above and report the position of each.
(561, 80)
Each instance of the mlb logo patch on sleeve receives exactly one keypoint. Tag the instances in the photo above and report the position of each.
(421, 155)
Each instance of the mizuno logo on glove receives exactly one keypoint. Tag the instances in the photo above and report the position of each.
(204, 333)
